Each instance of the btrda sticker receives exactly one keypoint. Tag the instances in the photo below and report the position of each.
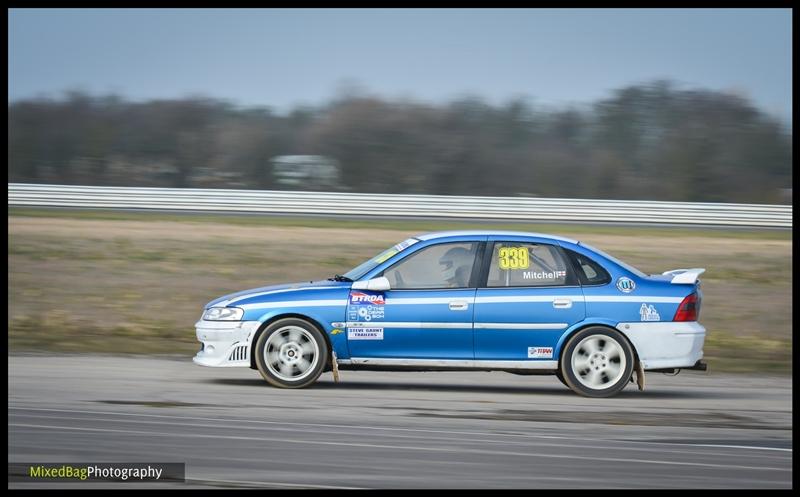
(649, 313)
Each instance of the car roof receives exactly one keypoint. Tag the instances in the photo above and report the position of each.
(446, 234)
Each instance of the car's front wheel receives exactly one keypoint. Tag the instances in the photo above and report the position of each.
(291, 353)
(597, 362)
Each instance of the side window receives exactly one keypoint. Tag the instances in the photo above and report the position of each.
(528, 264)
(589, 272)
(447, 265)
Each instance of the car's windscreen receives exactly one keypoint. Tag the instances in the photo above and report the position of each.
(362, 269)
(616, 261)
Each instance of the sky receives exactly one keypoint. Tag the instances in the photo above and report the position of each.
(282, 58)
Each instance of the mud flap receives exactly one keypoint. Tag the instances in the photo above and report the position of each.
(335, 367)
(639, 375)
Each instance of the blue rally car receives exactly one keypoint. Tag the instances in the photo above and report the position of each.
(523, 303)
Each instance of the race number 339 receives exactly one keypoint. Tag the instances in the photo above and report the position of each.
(513, 258)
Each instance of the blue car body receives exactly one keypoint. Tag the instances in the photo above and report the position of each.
(514, 328)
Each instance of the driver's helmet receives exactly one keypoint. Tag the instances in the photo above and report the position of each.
(455, 259)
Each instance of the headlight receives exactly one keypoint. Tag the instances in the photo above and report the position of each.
(223, 314)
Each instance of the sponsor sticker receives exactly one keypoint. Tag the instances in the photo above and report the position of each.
(367, 313)
(543, 275)
(405, 244)
(336, 331)
(366, 298)
(394, 250)
(364, 333)
(365, 306)
(540, 352)
(385, 256)
(649, 313)
(625, 285)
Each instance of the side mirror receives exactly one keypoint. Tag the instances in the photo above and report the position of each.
(375, 284)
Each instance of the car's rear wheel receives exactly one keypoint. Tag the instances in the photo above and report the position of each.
(597, 362)
(291, 353)
(561, 378)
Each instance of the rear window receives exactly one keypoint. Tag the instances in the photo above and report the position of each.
(589, 272)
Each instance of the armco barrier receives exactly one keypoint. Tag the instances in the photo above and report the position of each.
(412, 206)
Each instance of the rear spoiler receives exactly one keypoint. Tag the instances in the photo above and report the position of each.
(688, 276)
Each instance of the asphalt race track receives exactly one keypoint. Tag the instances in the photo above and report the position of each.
(398, 430)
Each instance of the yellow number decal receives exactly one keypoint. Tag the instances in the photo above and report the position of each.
(522, 254)
(513, 258)
(504, 258)
(513, 262)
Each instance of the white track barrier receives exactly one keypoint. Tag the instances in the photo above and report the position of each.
(408, 206)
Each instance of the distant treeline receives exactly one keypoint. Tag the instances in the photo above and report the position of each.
(651, 141)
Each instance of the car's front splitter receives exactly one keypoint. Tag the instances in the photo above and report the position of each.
(225, 343)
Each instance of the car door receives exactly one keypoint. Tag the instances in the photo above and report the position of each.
(527, 298)
(427, 313)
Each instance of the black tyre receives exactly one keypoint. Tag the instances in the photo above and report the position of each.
(561, 378)
(597, 362)
(291, 353)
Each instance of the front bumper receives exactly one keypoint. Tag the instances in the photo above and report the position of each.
(667, 344)
(225, 343)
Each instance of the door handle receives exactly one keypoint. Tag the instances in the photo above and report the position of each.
(458, 305)
(562, 303)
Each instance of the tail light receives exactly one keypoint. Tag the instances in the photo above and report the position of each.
(689, 309)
